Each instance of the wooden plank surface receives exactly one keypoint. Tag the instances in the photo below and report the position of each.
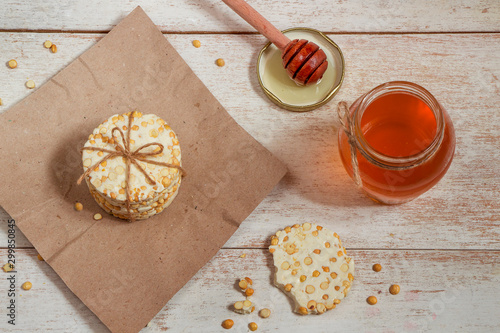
(214, 16)
(459, 291)
(461, 212)
(442, 249)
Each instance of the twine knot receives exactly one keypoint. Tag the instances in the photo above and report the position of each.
(131, 157)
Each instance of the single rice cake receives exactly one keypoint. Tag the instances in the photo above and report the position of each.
(107, 181)
(312, 267)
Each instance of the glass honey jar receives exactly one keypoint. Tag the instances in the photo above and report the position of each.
(396, 141)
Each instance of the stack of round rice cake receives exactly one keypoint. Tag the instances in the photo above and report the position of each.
(312, 267)
(107, 182)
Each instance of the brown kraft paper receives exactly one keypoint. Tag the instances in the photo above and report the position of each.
(126, 272)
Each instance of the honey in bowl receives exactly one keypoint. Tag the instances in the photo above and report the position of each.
(403, 139)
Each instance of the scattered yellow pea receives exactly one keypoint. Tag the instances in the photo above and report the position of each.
(227, 324)
(252, 326)
(26, 285)
(47, 44)
(220, 62)
(40, 257)
(265, 313)
(78, 206)
(196, 43)
(97, 216)
(243, 284)
(0, 101)
(8, 267)
(303, 310)
(12, 63)
(30, 84)
(53, 48)
(377, 267)
(394, 289)
(372, 300)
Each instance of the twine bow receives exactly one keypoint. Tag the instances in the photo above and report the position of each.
(348, 126)
(131, 157)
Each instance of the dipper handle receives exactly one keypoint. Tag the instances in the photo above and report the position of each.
(258, 21)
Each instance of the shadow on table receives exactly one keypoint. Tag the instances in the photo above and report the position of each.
(315, 169)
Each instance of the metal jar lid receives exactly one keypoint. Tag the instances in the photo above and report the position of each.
(284, 92)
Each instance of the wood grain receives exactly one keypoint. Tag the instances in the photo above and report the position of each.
(456, 293)
(461, 212)
(449, 47)
(213, 16)
(259, 22)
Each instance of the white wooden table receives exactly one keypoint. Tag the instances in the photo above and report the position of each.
(442, 249)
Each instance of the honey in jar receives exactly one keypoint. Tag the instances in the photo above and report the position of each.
(400, 139)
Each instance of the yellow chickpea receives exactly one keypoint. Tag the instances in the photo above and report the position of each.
(394, 289)
(227, 324)
(265, 313)
(8, 267)
(78, 206)
(12, 63)
(220, 62)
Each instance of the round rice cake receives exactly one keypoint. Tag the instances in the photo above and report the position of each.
(107, 181)
(109, 178)
(138, 212)
(311, 267)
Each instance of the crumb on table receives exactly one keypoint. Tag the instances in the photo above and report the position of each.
(30, 84)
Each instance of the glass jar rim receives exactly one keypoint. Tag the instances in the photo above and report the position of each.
(393, 162)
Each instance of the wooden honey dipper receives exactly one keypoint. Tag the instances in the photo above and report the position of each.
(304, 61)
